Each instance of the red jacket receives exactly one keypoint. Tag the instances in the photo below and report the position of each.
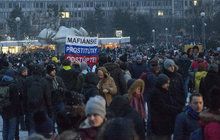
(212, 131)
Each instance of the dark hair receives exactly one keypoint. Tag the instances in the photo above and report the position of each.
(214, 98)
(194, 95)
(195, 47)
(118, 129)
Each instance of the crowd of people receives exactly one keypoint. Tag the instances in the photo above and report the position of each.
(133, 93)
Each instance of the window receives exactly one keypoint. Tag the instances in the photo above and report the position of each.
(41, 5)
(79, 14)
(23, 5)
(111, 4)
(10, 5)
(91, 4)
(36, 5)
(87, 4)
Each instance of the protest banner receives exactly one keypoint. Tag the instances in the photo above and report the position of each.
(79, 49)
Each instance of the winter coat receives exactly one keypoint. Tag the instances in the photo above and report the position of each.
(120, 108)
(162, 112)
(186, 123)
(118, 75)
(13, 109)
(109, 84)
(184, 66)
(176, 89)
(46, 104)
(211, 79)
(20, 83)
(57, 91)
(89, 90)
(69, 77)
(137, 101)
(87, 132)
(211, 125)
(198, 76)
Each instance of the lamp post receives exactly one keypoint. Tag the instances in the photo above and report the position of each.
(202, 14)
(153, 34)
(193, 34)
(166, 29)
(18, 20)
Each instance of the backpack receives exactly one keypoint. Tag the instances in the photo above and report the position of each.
(35, 94)
(4, 97)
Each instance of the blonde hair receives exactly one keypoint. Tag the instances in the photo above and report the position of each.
(137, 83)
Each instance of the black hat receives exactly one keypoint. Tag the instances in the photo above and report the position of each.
(162, 79)
(123, 58)
(50, 67)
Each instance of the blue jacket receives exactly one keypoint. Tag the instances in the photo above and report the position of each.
(186, 123)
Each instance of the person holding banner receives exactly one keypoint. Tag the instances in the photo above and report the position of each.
(106, 85)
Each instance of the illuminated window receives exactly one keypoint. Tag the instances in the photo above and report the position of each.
(65, 14)
(195, 2)
(160, 13)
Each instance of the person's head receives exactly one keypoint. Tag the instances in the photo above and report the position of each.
(196, 102)
(214, 99)
(139, 59)
(170, 65)
(154, 65)
(163, 81)
(66, 62)
(37, 69)
(51, 70)
(96, 111)
(195, 49)
(135, 87)
(118, 129)
(83, 66)
(23, 71)
(102, 72)
(189, 51)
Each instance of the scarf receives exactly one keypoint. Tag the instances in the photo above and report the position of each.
(193, 114)
(137, 102)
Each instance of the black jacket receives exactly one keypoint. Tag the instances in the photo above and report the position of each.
(176, 90)
(46, 104)
(120, 107)
(13, 109)
(70, 78)
(162, 112)
(57, 93)
(211, 79)
(118, 75)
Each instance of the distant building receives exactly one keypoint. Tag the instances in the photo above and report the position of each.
(74, 11)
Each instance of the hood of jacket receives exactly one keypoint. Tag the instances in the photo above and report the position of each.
(207, 116)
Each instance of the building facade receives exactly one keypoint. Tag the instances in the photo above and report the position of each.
(75, 11)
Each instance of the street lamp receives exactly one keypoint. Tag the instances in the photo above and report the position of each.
(202, 14)
(166, 29)
(18, 20)
(193, 34)
(153, 34)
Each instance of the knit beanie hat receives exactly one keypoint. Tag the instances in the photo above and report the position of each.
(96, 105)
(168, 62)
(83, 66)
(162, 79)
